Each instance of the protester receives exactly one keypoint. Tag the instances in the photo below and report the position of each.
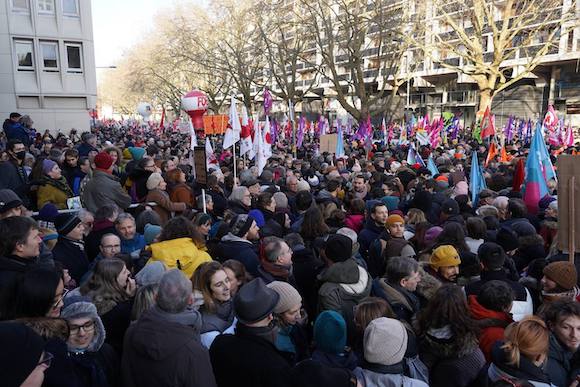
(217, 311)
(53, 187)
(131, 241)
(522, 354)
(251, 351)
(70, 248)
(157, 194)
(237, 244)
(162, 347)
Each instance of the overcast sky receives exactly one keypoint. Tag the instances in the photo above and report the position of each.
(117, 24)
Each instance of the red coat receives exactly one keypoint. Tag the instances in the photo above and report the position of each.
(491, 323)
(354, 222)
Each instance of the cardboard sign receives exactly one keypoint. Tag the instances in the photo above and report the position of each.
(328, 143)
(568, 166)
(200, 165)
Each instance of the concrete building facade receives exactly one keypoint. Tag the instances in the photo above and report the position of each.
(434, 88)
(47, 62)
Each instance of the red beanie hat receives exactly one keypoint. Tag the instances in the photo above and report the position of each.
(103, 160)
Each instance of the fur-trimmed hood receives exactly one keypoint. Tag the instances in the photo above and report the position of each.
(48, 327)
(82, 309)
(428, 284)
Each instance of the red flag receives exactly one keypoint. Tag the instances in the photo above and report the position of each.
(161, 123)
(519, 175)
(487, 127)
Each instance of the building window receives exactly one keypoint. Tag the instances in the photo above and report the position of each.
(70, 7)
(46, 6)
(21, 5)
(49, 51)
(74, 57)
(23, 49)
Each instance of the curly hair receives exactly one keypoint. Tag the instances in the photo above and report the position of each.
(181, 227)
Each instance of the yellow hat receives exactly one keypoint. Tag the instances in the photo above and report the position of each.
(444, 256)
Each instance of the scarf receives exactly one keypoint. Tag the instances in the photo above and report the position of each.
(220, 320)
(361, 195)
(60, 184)
(277, 270)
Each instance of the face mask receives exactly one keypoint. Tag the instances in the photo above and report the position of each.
(20, 155)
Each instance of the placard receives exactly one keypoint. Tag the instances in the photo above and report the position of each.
(568, 166)
(328, 143)
(200, 165)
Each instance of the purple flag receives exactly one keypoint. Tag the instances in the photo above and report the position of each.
(274, 131)
(300, 134)
(267, 101)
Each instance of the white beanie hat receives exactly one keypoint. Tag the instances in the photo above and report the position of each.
(289, 296)
(385, 341)
(154, 180)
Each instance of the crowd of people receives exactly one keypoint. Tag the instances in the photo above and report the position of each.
(316, 271)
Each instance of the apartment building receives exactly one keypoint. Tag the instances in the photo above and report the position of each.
(47, 62)
(432, 88)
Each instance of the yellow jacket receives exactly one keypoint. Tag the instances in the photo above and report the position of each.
(181, 250)
(50, 194)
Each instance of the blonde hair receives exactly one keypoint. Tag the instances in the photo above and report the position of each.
(528, 337)
(415, 216)
(144, 300)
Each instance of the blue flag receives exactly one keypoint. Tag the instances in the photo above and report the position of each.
(431, 166)
(476, 179)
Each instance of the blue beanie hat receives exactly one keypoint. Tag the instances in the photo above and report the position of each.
(137, 153)
(48, 213)
(47, 166)
(151, 232)
(330, 332)
(392, 202)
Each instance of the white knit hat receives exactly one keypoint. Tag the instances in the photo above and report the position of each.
(289, 296)
(154, 180)
(385, 341)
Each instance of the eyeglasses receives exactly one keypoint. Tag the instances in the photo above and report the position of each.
(56, 304)
(89, 326)
(111, 247)
(46, 359)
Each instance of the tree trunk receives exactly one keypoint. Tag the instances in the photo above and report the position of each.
(484, 99)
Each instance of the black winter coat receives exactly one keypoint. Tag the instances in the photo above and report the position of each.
(306, 268)
(246, 360)
(240, 251)
(163, 353)
(12, 269)
(14, 177)
(72, 256)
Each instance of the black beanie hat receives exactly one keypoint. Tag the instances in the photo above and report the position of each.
(8, 200)
(338, 248)
(21, 351)
(507, 238)
(491, 255)
(65, 223)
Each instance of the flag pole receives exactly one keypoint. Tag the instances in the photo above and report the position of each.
(203, 200)
(572, 222)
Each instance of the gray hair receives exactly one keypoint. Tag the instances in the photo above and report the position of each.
(124, 216)
(199, 200)
(83, 213)
(174, 292)
(281, 200)
(272, 248)
(399, 268)
(501, 202)
(238, 193)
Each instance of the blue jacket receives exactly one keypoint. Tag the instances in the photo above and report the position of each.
(368, 234)
(15, 130)
(233, 247)
(130, 245)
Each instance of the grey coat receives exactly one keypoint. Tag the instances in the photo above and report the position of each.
(104, 188)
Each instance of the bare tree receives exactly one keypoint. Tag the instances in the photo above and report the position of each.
(361, 47)
(495, 42)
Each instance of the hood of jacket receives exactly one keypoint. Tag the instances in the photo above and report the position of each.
(179, 253)
(229, 237)
(526, 370)
(83, 309)
(487, 317)
(342, 273)
(159, 335)
(345, 360)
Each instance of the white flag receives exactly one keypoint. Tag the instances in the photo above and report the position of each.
(266, 141)
(233, 132)
(259, 149)
(209, 155)
(246, 145)
(193, 142)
